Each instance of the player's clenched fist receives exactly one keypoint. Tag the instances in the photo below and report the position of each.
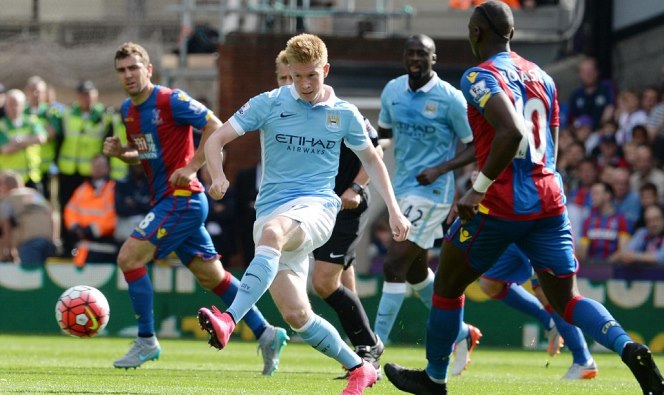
(218, 188)
(400, 227)
(112, 146)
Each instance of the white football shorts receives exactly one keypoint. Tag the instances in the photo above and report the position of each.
(316, 216)
(426, 218)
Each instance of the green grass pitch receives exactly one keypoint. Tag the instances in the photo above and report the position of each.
(65, 365)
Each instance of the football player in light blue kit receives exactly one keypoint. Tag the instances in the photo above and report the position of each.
(302, 127)
(425, 116)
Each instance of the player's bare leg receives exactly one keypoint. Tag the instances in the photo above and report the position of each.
(290, 295)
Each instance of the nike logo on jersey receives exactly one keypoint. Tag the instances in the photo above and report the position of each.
(286, 114)
(333, 255)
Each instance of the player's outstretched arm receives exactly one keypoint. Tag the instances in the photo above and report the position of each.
(199, 157)
(375, 167)
(214, 156)
(185, 175)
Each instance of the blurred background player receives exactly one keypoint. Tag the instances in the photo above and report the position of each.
(297, 206)
(159, 125)
(425, 115)
(506, 205)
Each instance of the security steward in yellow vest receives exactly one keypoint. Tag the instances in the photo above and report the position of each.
(85, 125)
(51, 119)
(20, 140)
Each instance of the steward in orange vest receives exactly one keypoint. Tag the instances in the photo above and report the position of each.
(90, 216)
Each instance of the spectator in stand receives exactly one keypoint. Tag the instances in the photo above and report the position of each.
(568, 162)
(578, 203)
(26, 221)
(646, 171)
(132, 202)
(85, 125)
(605, 232)
(647, 196)
(655, 126)
(609, 153)
(20, 139)
(90, 216)
(626, 200)
(51, 119)
(594, 97)
(220, 222)
(649, 99)
(628, 115)
(640, 135)
(52, 99)
(583, 131)
(647, 245)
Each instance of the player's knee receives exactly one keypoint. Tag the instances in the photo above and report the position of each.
(208, 281)
(272, 235)
(491, 288)
(296, 318)
(209, 274)
(128, 260)
(323, 286)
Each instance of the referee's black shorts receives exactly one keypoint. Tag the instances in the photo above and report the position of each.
(350, 224)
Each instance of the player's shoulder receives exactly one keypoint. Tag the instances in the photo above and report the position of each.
(272, 96)
(126, 103)
(473, 75)
(446, 90)
(177, 94)
(341, 104)
(396, 84)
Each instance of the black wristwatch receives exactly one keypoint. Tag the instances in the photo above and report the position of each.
(357, 188)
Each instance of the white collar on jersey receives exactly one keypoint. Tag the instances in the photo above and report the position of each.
(332, 98)
(428, 86)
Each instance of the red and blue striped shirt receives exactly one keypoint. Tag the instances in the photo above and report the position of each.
(529, 188)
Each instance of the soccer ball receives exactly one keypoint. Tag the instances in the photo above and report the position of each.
(82, 311)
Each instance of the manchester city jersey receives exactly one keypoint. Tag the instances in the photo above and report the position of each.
(300, 143)
(425, 125)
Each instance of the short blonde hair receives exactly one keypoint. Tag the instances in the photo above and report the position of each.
(306, 49)
(282, 58)
(128, 49)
